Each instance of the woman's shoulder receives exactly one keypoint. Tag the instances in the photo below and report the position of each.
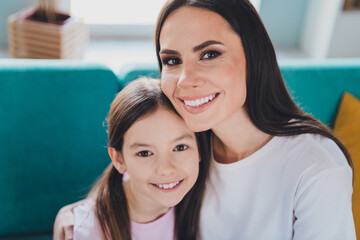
(86, 224)
(315, 149)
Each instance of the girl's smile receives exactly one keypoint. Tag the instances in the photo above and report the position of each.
(168, 186)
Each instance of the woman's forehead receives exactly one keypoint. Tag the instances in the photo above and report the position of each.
(195, 24)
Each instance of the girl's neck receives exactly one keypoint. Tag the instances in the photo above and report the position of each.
(139, 210)
(237, 138)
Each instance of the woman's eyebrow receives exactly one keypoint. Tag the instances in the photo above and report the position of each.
(205, 44)
(195, 49)
(168, 51)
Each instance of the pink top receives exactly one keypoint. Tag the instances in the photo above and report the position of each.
(86, 225)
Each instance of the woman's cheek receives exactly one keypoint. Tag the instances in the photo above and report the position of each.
(167, 85)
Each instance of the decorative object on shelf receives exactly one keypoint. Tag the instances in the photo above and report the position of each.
(43, 32)
(351, 5)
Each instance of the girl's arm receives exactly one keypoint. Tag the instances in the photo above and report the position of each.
(64, 222)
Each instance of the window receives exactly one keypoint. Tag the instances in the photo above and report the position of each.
(117, 11)
(118, 18)
(135, 18)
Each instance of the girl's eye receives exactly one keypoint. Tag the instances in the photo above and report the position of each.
(144, 154)
(180, 148)
(171, 61)
(210, 54)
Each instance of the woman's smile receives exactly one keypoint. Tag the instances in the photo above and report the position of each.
(198, 104)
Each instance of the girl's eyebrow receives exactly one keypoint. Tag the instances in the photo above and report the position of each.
(195, 49)
(137, 145)
(185, 136)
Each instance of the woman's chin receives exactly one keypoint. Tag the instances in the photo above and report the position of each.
(198, 127)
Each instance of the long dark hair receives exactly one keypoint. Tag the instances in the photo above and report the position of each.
(138, 99)
(268, 103)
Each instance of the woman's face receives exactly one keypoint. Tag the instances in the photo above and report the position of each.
(203, 67)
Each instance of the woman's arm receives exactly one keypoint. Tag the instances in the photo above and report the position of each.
(323, 206)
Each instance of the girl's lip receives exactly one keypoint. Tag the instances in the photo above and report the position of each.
(198, 107)
(168, 186)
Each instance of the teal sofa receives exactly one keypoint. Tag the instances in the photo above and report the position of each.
(53, 137)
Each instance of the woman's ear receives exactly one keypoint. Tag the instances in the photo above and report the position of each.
(117, 160)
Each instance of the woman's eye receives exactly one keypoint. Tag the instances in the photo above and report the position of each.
(180, 148)
(144, 154)
(171, 61)
(210, 54)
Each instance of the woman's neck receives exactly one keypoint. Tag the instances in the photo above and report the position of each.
(237, 138)
(141, 211)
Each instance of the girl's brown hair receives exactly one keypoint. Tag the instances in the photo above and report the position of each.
(138, 99)
(268, 103)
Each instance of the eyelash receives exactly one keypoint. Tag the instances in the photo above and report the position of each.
(165, 61)
(176, 149)
(140, 154)
(214, 54)
(181, 145)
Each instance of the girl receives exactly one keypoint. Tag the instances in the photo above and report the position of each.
(155, 164)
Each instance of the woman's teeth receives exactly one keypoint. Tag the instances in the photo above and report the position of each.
(168, 186)
(200, 101)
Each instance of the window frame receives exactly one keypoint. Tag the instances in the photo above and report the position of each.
(124, 31)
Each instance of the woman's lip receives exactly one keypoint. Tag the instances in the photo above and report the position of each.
(195, 97)
(198, 109)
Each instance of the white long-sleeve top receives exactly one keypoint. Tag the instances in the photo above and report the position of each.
(297, 187)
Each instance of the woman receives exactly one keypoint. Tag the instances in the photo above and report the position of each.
(277, 173)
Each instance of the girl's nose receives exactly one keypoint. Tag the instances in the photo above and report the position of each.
(165, 167)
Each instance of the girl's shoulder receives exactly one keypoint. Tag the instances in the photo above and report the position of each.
(86, 224)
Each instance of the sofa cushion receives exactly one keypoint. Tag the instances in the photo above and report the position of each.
(347, 129)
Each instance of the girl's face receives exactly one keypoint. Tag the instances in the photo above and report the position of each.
(203, 67)
(161, 157)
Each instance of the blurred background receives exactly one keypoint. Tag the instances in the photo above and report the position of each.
(122, 31)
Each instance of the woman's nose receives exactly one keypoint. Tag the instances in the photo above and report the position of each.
(189, 78)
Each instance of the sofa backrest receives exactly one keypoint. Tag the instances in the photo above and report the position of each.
(315, 85)
(51, 126)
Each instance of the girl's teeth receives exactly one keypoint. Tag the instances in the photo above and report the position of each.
(168, 186)
(199, 102)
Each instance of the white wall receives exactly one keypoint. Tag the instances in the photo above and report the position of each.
(318, 27)
(329, 31)
(345, 40)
